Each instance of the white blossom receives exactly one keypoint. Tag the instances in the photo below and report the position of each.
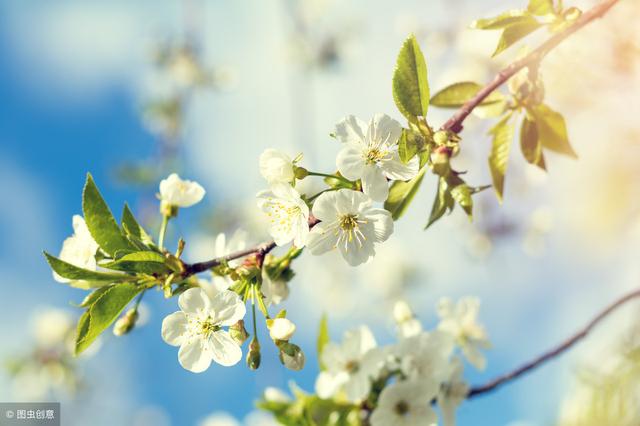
(371, 154)
(406, 403)
(453, 391)
(52, 327)
(350, 223)
(180, 193)
(222, 247)
(288, 214)
(408, 325)
(425, 356)
(460, 321)
(197, 329)
(281, 329)
(276, 167)
(350, 366)
(79, 250)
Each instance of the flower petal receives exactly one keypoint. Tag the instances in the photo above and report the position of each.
(395, 169)
(384, 128)
(174, 328)
(374, 184)
(351, 130)
(194, 300)
(224, 350)
(350, 161)
(194, 356)
(382, 223)
(324, 207)
(322, 238)
(228, 308)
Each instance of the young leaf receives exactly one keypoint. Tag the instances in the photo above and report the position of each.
(401, 194)
(92, 297)
(130, 223)
(553, 130)
(409, 144)
(501, 21)
(443, 202)
(456, 94)
(72, 272)
(410, 85)
(461, 192)
(102, 226)
(499, 157)
(515, 32)
(323, 339)
(104, 311)
(530, 143)
(147, 262)
(540, 7)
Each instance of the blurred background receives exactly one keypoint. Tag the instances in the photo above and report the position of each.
(131, 91)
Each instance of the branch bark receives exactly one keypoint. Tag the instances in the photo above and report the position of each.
(553, 353)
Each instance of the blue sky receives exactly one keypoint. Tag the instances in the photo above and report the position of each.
(71, 91)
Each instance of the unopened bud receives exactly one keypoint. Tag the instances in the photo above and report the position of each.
(300, 172)
(291, 356)
(281, 329)
(441, 137)
(254, 357)
(126, 322)
(238, 332)
(440, 160)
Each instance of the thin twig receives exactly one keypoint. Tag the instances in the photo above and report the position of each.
(553, 353)
(454, 123)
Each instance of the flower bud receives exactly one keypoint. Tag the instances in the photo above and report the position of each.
(440, 160)
(301, 173)
(126, 322)
(291, 356)
(254, 357)
(238, 332)
(441, 137)
(281, 329)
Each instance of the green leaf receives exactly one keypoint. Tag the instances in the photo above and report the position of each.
(444, 202)
(147, 262)
(410, 85)
(92, 297)
(456, 94)
(501, 21)
(540, 7)
(130, 223)
(499, 157)
(553, 130)
(461, 193)
(402, 193)
(103, 312)
(72, 272)
(530, 143)
(409, 144)
(102, 226)
(323, 339)
(516, 32)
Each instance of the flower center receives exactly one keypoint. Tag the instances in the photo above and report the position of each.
(349, 222)
(352, 367)
(374, 155)
(206, 327)
(401, 408)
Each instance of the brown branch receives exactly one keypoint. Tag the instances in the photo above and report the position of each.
(260, 250)
(553, 353)
(454, 123)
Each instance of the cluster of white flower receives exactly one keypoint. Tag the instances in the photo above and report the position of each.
(348, 221)
(404, 379)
